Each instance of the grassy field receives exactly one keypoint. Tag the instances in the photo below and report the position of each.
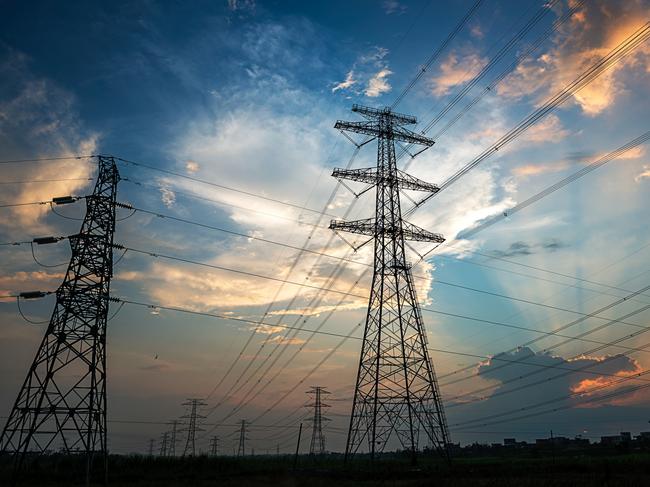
(520, 471)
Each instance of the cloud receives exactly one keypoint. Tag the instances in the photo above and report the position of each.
(241, 5)
(393, 6)
(39, 119)
(347, 83)
(455, 72)
(524, 377)
(549, 130)
(645, 174)
(167, 196)
(592, 33)
(524, 248)
(29, 281)
(536, 169)
(378, 84)
(477, 31)
(192, 167)
(368, 75)
(515, 249)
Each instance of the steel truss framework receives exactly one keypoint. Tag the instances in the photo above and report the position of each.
(193, 417)
(396, 389)
(317, 444)
(61, 406)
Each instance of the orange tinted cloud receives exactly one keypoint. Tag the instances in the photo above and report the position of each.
(593, 32)
(455, 71)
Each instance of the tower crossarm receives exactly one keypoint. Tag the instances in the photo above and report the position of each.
(369, 175)
(376, 130)
(376, 113)
(362, 227)
(413, 232)
(368, 227)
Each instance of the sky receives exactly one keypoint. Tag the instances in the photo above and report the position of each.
(245, 94)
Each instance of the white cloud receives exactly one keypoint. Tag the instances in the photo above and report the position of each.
(192, 167)
(347, 83)
(378, 84)
(167, 196)
(393, 6)
(241, 5)
(645, 174)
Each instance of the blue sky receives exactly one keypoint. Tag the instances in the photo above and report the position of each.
(245, 94)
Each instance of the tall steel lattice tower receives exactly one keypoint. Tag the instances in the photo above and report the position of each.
(171, 451)
(241, 450)
(317, 444)
(62, 403)
(214, 446)
(192, 427)
(396, 391)
(163, 444)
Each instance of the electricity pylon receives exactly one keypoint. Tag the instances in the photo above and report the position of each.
(396, 389)
(164, 444)
(171, 451)
(62, 403)
(214, 446)
(317, 444)
(241, 451)
(151, 443)
(192, 428)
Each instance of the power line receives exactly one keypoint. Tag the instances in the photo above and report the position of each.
(643, 138)
(29, 181)
(217, 185)
(349, 294)
(165, 216)
(561, 328)
(213, 315)
(620, 51)
(561, 398)
(228, 269)
(211, 200)
(509, 69)
(437, 52)
(47, 159)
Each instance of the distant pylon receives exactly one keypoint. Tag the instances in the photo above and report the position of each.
(171, 450)
(194, 416)
(62, 403)
(241, 451)
(317, 445)
(151, 441)
(396, 389)
(164, 444)
(214, 446)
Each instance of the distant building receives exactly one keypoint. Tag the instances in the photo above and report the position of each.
(612, 440)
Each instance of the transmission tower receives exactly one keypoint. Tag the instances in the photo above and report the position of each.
(171, 451)
(62, 403)
(151, 442)
(193, 404)
(241, 451)
(214, 446)
(164, 444)
(396, 390)
(317, 445)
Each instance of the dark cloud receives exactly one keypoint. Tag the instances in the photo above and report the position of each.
(524, 378)
(579, 156)
(553, 244)
(516, 248)
(524, 248)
